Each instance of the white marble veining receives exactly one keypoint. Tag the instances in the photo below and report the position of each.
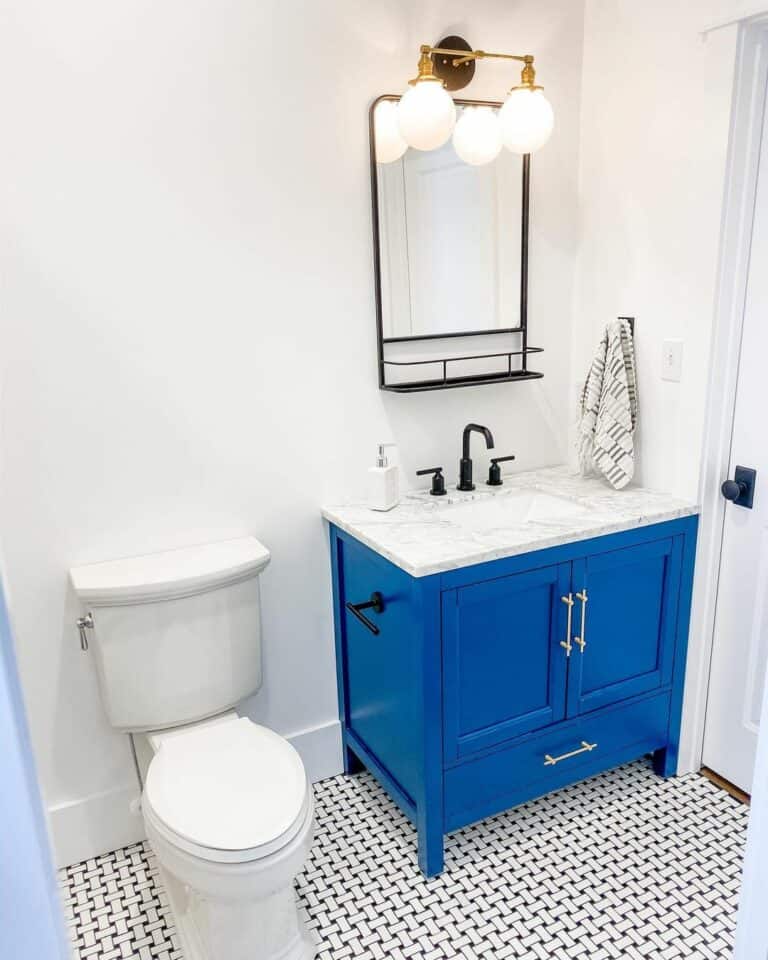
(531, 511)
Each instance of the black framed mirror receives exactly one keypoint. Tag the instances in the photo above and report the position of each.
(450, 243)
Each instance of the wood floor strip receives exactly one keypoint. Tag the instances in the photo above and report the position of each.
(725, 785)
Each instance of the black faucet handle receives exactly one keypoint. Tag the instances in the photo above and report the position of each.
(494, 471)
(438, 480)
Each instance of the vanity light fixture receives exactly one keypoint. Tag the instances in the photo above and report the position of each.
(426, 113)
(526, 116)
(390, 145)
(477, 135)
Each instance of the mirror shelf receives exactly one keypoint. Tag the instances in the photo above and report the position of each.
(445, 381)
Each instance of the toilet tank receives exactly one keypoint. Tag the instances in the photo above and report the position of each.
(176, 635)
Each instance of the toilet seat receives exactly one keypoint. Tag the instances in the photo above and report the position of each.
(229, 792)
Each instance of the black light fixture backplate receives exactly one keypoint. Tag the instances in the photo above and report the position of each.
(455, 78)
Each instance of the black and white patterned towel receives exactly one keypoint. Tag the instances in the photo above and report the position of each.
(609, 408)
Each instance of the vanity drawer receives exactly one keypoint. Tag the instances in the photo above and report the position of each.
(564, 754)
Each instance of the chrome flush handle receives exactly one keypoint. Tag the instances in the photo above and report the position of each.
(83, 624)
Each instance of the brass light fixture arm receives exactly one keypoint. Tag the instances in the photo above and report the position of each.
(460, 57)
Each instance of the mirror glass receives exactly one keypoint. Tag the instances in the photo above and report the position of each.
(449, 239)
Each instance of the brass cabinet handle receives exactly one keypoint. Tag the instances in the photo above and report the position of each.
(582, 640)
(584, 748)
(566, 644)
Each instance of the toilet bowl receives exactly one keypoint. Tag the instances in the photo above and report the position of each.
(226, 803)
(229, 815)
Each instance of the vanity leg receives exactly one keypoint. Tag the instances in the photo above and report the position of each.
(430, 818)
(431, 860)
(352, 763)
(665, 761)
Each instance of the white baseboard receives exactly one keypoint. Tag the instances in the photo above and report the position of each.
(320, 749)
(85, 828)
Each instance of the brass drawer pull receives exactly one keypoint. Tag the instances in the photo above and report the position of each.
(566, 644)
(584, 748)
(582, 640)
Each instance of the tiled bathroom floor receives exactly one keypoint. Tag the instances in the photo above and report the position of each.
(624, 865)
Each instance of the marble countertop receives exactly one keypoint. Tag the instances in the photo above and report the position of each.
(423, 535)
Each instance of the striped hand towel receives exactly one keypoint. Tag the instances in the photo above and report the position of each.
(609, 408)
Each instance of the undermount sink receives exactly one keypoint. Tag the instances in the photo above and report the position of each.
(525, 507)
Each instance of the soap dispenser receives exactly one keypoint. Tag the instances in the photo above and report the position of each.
(383, 492)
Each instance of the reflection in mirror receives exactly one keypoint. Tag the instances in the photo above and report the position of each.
(449, 236)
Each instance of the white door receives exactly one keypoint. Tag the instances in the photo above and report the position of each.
(740, 652)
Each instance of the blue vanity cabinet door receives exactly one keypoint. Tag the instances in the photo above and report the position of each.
(504, 669)
(630, 623)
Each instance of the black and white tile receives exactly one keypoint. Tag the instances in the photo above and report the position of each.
(116, 909)
(624, 865)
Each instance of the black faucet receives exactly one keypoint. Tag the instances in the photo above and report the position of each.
(465, 464)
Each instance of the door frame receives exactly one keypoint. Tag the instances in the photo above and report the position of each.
(752, 922)
(746, 127)
(747, 121)
(28, 888)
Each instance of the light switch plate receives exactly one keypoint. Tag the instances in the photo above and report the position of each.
(672, 360)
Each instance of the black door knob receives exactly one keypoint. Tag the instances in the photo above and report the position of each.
(741, 490)
(733, 489)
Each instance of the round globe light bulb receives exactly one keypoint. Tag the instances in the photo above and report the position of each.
(526, 119)
(477, 137)
(390, 146)
(426, 115)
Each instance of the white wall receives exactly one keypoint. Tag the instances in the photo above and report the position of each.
(656, 107)
(656, 100)
(188, 346)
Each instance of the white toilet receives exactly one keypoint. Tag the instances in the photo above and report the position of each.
(226, 803)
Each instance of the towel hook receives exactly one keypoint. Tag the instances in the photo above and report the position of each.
(631, 321)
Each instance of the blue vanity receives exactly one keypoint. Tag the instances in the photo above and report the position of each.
(501, 645)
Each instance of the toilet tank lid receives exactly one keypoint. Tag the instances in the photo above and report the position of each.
(171, 574)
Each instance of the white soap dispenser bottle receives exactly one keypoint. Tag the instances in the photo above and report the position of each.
(383, 492)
